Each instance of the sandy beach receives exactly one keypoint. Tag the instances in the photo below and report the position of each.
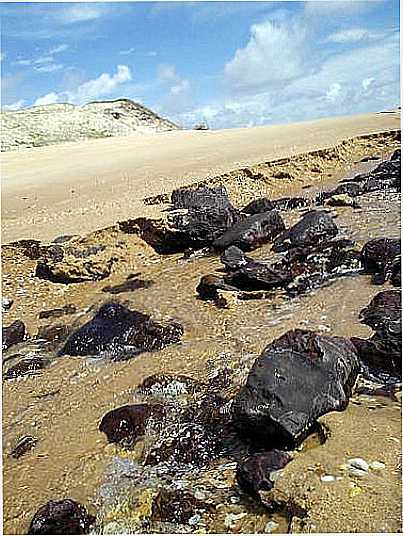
(79, 187)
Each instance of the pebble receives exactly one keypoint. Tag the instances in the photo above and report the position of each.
(353, 471)
(377, 466)
(328, 478)
(358, 463)
(194, 520)
(232, 519)
(270, 526)
(6, 304)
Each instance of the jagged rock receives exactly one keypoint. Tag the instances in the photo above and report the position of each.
(258, 206)
(189, 443)
(23, 445)
(381, 257)
(297, 378)
(251, 233)
(383, 351)
(129, 422)
(253, 474)
(61, 517)
(386, 175)
(67, 309)
(258, 276)
(122, 333)
(234, 258)
(314, 227)
(201, 198)
(13, 334)
(27, 366)
(75, 262)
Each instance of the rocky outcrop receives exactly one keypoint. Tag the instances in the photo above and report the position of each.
(13, 334)
(297, 378)
(381, 257)
(120, 333)
(61, 517)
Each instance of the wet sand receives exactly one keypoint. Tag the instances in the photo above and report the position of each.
(63, 405)
(79, 187)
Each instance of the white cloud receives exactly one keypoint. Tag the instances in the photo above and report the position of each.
(341, 8)
(14, 106)
(275, 53)
(2, 56)
(105, 85)
(333, 93)
(50, 98)
(352, 35)
(127, 52)
(58, 49)
(81, 13)
(49, 67)
(182, 87)
(45, 63)
(166, 72)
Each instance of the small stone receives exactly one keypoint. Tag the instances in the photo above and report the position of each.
(6, 304)
(358, 463)
(377, 466)
(270, 526)
(232, 519)
(194, 520)
(353, 471)
(328, 478)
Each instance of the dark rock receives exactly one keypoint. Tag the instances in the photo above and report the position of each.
(13, 334)
(176, 506)
(119, 330)
(370, 158)
(128, 423)
(67, 309)
(298, 378)
(209, 286)
(234, 258)
(6, 304)
(258, 276)
(200, 198)
(381, 257)
(23, 445)
(128, 286)
(383, 351)
(314, 227)
(208, 410)
(251, 233)
(169, 384)
(258, 206)
(396, 155)
(290, 203)
(188, 444)
(253, 474)
(61, 517)
(54, 333)
(27, 366)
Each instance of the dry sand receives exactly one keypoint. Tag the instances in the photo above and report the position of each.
(78, 187)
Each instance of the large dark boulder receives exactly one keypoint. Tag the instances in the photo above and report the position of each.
(120, 332)
(383, 351)
(252, 232)
(13, 334)
(258, 206)
(254, 473)
(61, 517)
(128, 423)
(381, 257)
(298, 378)
(258, 276)
(203, 197)
(314, 227)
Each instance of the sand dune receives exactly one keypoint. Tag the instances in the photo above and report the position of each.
(78, 187)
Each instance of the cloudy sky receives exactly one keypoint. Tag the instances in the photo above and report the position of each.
(231, 64)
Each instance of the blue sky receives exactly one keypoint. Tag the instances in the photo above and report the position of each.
(231, 64)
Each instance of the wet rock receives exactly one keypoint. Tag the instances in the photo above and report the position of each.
(253, 474)
(258, 206)
(61, 517)
(6, 304)
(121, 332)
(314, 227)
(251, 233)
(209, 286)
(384, 176)
(396, 155)
(75, 262)
(298, 378)
(25, 367)
(290, 203)
(258, 276)
(383, 350)
(209, 410)
(23, 445)
(13, 334)
(67, 309)
(176, 506)
(351, 189)
(128, 423)
(187, 444)
(234, 258)
(381, 257)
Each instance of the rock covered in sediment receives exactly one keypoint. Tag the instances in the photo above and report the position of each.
(254, 473)
(381, 257)
(315, 226)
(121, 332)
(75, 262)
(210, 285)
(13, 334)
(297, 378)
(383, 351)
(61, 517)
(26, 367)
(251, 233)
(129, 422)
(258, 206)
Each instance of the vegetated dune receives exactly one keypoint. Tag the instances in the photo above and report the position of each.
(56, 123)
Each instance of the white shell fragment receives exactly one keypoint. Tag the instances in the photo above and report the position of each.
(358, 463)
(377, 466)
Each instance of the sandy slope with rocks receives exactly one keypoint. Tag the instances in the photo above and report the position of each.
(79, 187)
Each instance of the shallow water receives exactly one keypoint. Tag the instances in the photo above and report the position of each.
(63, 405)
